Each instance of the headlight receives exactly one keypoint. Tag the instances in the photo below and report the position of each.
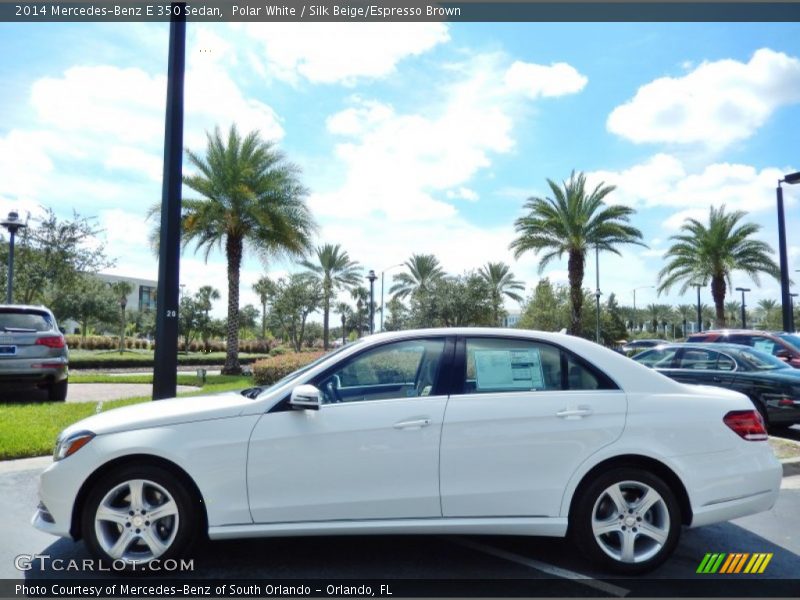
(71, 444)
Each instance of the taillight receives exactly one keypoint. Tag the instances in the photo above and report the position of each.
(53, 341)
(747, 424)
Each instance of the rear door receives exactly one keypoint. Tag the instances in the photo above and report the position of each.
(523, 416)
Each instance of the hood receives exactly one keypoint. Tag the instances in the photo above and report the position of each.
(164, 412)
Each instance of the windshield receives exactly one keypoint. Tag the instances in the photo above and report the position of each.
(28, 321)
(296, 374)
(791, 338)
(756, 360)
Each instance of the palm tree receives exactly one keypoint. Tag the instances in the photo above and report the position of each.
(361, 295)
(574, 221)
(713, 252)
(250, 195)
(337, 271)
(501, 280)
(685, 311)
(733, 309)
(423, 271)
(122, 289)
(345, 314)
(206, 296)
(265, 289)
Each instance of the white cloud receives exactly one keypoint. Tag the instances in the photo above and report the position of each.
(714, 105)
(126, 158)
(341, 52)
(537, 81)
(405, 165)
(663, 180)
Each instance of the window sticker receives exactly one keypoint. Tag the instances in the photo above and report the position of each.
(508, 370)
(763, 345)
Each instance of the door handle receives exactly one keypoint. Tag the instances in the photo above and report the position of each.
(574, 413)
(412, 424)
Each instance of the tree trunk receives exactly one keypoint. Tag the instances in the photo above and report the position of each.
(718, 294)
(263, 320)
(326, 309)
(575, 266)
(233, 250)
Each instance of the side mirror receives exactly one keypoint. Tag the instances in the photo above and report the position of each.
(305, 397)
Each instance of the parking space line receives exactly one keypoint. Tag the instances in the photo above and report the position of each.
(603, 586)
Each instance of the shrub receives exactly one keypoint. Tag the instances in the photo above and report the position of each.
(269, 370)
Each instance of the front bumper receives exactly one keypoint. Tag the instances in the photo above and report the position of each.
(59, 485)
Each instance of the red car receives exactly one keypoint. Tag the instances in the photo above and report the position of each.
(785, 346)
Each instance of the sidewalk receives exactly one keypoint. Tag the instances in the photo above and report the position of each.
(94, 392)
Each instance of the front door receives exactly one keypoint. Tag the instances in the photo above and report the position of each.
(370, 452)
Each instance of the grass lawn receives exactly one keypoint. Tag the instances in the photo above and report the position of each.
(31, 429)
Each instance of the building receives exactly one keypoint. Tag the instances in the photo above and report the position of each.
(511, 319)
(143, 296)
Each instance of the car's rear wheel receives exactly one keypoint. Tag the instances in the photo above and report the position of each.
(57, 392)
(138, 514)
(627, 520)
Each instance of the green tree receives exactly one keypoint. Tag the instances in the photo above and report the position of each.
(686, 313)
(572, 222)
(204, 297)
(423, 271)
(50, 255)
(712, 252)
(248, 320)
(768, 314)
(90, 302)
(399, 316)
(543, 311)
(296, 298)
(334, 267)
(612, 324)
(361, 315)
(265, 289)
(190, 319)
(733, 311)
(345, 313)
(250, 195)
(501, 283)
(454, 302)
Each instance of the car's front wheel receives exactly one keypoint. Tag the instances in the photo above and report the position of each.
(627, 520)
(57, 392)
(137, 514)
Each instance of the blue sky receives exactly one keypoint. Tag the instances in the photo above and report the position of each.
(423, 137)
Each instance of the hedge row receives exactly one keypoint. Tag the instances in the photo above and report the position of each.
(114, 361)
(111, 342)
(269, 370)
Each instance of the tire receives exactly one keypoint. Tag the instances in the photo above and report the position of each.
(57, 392)
(612, 529)
(113, 534)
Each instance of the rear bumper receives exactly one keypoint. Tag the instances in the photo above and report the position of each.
(33, 371)
(729, 485)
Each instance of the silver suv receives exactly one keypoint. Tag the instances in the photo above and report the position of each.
(33, 351)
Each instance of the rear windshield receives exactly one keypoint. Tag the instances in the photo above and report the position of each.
(14, 320)
(761, 361)
(792, 339)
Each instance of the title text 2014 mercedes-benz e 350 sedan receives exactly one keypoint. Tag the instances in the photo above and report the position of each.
(456, 431)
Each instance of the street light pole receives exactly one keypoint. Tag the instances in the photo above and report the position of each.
(791, 308)
(699, 308)
(12, 224)
(744, 317)
(372, 277)
(597, 291)
(386, 270)
(786, 310)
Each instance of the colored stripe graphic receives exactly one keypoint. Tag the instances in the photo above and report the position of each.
(724, 563)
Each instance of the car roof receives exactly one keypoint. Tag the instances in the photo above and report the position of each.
(25, 307)
(706, 346)
(729, 331)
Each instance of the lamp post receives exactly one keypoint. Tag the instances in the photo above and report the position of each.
(386, 270)
(791, 308)
(642, 287)
(13, 224)
(744, 316)
(597, 292)
(699, 308)
(790, 179)
(372, 277)
(123, 302)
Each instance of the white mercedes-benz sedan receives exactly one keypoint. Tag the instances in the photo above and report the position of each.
(443, 431)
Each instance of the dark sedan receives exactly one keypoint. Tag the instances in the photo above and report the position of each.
(772, 385)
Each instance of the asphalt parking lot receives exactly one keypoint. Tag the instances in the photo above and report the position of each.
(501, 565)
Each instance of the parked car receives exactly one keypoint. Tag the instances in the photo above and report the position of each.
(636, 346)
(440, 431)
(33, 351)
(772, 385)
(783, 345)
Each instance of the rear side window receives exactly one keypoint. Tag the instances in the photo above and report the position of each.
(699, 359)
(505, 365)
(24, 321)
(660, 358)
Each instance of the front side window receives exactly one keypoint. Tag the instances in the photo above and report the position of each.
(505, 365)
(404, 369)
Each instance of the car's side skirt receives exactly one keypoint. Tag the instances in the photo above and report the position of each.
(540, 526)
